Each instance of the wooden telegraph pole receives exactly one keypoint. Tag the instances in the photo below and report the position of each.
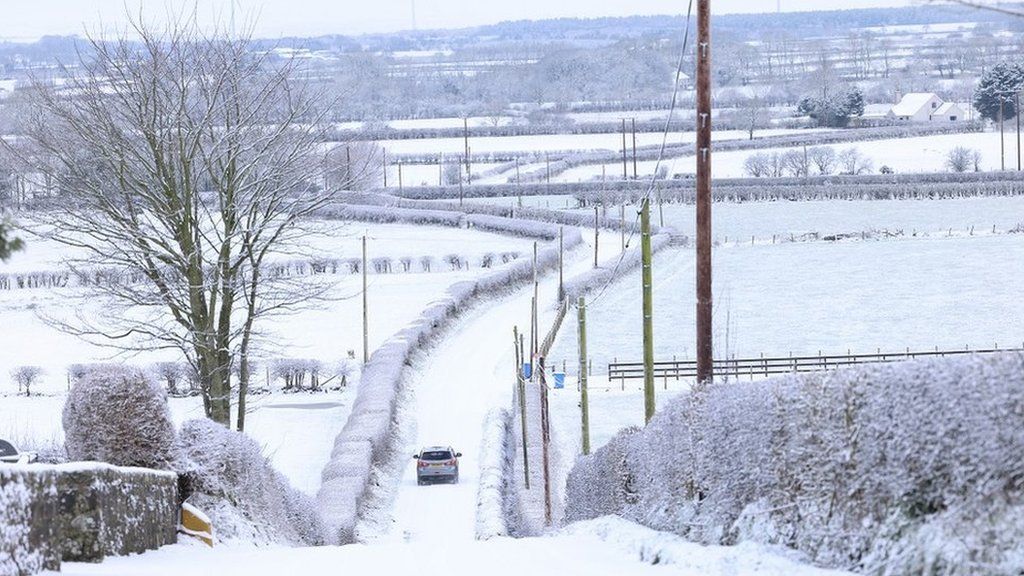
(1002, 140)
(561, 263)
(384, 160)
(648, 305)
(465, 134)
(366, 320)
(704, 308)
(545, 431)
(625, 172)
(635, 176)
(517, 343)
(1016, 109)
(584, 401)
(597, 228)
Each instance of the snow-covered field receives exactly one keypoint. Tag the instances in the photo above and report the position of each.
(903, 155)
(558, 142)
(740, 221)
(805, 297)
(326, 330)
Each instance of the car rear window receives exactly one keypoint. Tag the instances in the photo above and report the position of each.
(436, 455)
(6, 449)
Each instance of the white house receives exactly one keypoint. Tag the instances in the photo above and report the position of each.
(917, 107)
(949, 112)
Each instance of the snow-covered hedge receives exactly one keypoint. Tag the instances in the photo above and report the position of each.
(682, 189)
(891, 469)
(366, 440)
(386, 215)
(496, 508)
(238, 487)
(119, 414)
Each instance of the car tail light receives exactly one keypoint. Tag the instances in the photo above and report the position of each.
(452, 462)
(423, 464)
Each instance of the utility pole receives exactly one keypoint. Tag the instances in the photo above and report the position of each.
(561, 262)
(440, 171)
(384, 153)
(622, 228)
(704, 304)
(545, 430)
(1002, 141)
(584, 402)
(634, 149)
(399, 176)
(596, 237)
(517, 343)
(648, 307)
(535, 345)
(348, 168)
(460, 184)
(1016, 109)
(465, 136)
(625, 173)
(366, 320)
(517, 170)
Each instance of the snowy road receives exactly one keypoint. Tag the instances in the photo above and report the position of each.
(469, 372)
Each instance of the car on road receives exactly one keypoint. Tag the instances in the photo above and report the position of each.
(10, 455)
(437, 464)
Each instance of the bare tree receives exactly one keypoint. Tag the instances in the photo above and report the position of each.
(26, 377)
(184, 158)
(356, 165)
(960, 159)
(853, 162)
(823, 158)
(754, 114)
(795, 162)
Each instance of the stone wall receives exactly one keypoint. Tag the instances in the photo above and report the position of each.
(82, 512)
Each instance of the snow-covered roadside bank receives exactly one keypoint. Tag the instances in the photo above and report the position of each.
(606, 546)
(663, 548)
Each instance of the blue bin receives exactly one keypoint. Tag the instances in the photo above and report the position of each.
(527, 370)
(559, 380)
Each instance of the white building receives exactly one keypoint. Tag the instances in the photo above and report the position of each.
(949, 112)
(917, 107)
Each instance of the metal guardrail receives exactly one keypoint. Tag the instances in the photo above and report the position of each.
(765, 366)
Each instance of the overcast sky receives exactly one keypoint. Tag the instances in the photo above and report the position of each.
(30, 19)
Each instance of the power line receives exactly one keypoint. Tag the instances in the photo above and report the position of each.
(661, 150)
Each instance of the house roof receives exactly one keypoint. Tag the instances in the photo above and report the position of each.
(913, 103)
(876, 110)
(948, 108)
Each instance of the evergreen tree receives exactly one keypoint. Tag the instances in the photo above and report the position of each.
(8, 244)
(1000, 82)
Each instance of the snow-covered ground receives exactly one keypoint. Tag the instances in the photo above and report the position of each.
(805, 297)
(607, 546)
(740, 221)
(903, 155)
(326, 330)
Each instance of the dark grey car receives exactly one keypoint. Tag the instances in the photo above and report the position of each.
(437, 464)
